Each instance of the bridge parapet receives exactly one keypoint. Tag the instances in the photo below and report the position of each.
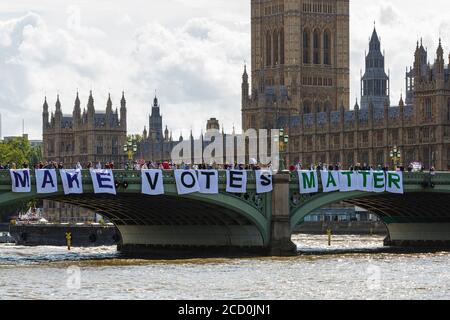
(413, 182)
(129, 176)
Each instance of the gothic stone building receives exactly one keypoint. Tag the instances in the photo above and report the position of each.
(85, 136)
(156, 145)
(300, 82)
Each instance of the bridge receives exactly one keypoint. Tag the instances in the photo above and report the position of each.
(261, 223)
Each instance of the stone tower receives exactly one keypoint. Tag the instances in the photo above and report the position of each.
(213, 124)
(300, 60)
(155, 127)
(375, 86)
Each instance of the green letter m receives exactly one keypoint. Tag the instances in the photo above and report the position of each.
(309, 182)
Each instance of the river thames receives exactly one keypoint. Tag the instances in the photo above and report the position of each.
(354, 267)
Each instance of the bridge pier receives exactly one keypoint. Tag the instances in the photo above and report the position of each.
(432, 235)
(280, 237)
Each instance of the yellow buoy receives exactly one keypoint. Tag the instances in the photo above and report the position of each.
(329, 232)
(69, 240)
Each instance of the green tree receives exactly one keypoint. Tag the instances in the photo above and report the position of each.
(18, 151)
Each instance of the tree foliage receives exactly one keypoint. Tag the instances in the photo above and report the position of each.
(18, 151)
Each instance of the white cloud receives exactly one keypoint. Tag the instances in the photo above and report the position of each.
(191, 52)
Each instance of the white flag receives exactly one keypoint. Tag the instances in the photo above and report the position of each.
(379, 181)
(46, 181)
(264, 181)
(236, 181)
(103, 181)
(72, 181)
(348, 181)
(152, 182)
(308, 181)
(365, 181)
(330, 181)
(187, 181)
(208, 181)
(20, 180)
(394, 183)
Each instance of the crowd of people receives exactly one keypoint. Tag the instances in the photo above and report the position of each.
(166, 165)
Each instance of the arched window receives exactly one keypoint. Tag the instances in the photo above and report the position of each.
(428, 109)
(268, 49)
(276, 57)
(306, 46)
(326, 48)
(282, 46)
(318, 107)
(380, 158)
(306, 107)
(327, 107)
(316, 46)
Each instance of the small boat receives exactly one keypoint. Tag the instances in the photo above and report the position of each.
(5, 237)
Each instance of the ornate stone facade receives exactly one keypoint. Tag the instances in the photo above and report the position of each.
(156, 145)
(300, 60)
(85, 136)
(319, 130)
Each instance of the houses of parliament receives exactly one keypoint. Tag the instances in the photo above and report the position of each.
(83, 136)
(300, 82)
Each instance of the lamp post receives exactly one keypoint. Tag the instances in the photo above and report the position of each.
(395, 156)
(283, 140)
(130, 148)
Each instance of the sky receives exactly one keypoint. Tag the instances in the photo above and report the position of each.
(190, 52)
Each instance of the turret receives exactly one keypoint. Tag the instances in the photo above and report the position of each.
(145, 133)
(109, 111)
(45, 114)
(401, 103)
(166, 134)
(58, 112)
(109, 104)
(440, 63)
(245, 88)
(155, 122)
(375, 82)
(356, 105)
(123, 112)
(90, 108)
(77, 110)
(420, 61)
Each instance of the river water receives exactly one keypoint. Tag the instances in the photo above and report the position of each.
(354, 267)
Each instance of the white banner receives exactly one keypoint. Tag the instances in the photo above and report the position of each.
(394, 183)
(379, 181)
(264, 181)
(330, 181)
(20, 180)
(208, 181)
(308, 181)
(72, 181)
(103, 181)
(365, 181)
(152, 182)
(236, 181)
(187, 181)
(46, 181)
(348, 181)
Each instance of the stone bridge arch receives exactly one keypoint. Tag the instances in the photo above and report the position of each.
(222, 220)
(419, 217)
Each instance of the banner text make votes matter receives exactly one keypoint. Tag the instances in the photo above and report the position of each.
(207, 181)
